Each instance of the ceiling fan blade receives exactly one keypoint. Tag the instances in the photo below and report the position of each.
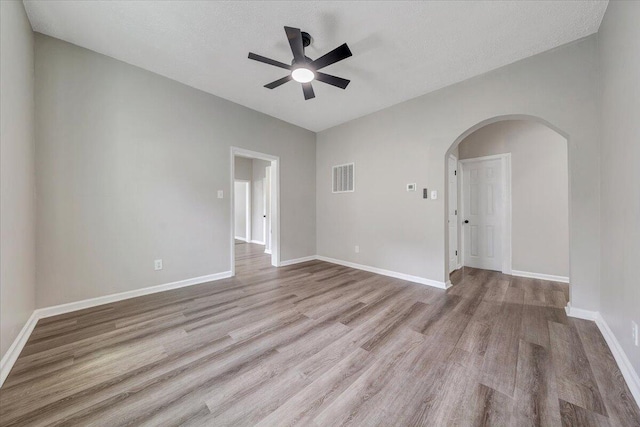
(266, 60)
(337, 54)
(295, 41)
(278, 82)
(332, 80)
(307, 89)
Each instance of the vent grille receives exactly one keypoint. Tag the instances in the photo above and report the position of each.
(343, 178)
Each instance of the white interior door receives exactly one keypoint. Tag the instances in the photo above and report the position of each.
(452, 214)
(482, 213)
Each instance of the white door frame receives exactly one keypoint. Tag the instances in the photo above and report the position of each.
(265, 225)
(458, 264)
(248, 216)
(267, 205)
(506, 205)
(275, 203)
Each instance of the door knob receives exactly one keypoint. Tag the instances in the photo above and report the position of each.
(466, 221)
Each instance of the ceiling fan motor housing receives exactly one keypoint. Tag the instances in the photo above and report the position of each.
(306, 39)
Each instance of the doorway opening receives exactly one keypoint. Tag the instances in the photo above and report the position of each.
(508, 199)
(254, 208)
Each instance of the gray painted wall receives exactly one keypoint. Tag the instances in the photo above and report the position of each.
(243, 168)
(240, 210)
(17, 173)
(398, 230)
(539, 191)
(128, 164)
(619, 47)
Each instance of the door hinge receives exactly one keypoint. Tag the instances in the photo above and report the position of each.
(456, 212)
(456, 253)
(455, 172)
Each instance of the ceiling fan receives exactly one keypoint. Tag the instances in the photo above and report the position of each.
(303, 69)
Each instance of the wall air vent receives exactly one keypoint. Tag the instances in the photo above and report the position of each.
(343, 178)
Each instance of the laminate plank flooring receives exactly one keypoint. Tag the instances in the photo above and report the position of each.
(318, 344)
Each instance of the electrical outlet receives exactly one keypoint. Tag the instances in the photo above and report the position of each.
(157, 264)
(634, 333)
(357, 249)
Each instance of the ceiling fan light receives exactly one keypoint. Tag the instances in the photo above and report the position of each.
(303, 75)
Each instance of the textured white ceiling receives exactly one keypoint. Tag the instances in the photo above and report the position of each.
(400, 49)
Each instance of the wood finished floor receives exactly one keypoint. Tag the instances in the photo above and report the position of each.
(317, 344)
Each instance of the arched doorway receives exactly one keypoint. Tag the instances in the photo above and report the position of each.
(514, 170)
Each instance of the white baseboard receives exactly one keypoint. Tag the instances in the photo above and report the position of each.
(107, 299)
(257, 242)
(267, 251)
(531, 275)
(403, 276)
(242, 239)
(580, 313)
(629, 374)
(13, 352)
(297, 260)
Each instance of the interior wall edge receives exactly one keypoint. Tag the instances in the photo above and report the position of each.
(18, 173)
(622, 360)
(629, 374)
(13, 352)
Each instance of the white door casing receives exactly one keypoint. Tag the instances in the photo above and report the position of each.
(265, 188)
(452, 214)
(257, 211)
(486, 205)
(267, 192)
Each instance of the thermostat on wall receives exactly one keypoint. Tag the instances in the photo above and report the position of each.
(411, 187)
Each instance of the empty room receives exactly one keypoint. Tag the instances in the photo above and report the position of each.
(319, 213)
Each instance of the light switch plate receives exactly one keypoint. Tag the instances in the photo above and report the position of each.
(220, 194)
(434, 194)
